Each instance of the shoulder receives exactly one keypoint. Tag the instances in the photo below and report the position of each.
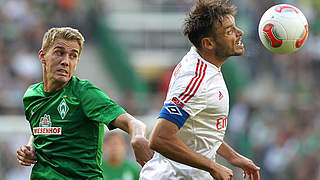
(190, 84)
(85, 90)
(34, 90)
(192, 73)
(80, 85)
(33, 93)
(191, 66)
(76, 81)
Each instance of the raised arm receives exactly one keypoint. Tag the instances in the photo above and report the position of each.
(164, 140)
(25, 153)
(235, 159)
(137, 131)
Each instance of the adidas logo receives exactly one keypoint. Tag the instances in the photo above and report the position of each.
(220, 95)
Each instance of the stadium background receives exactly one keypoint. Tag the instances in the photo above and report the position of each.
(131, 47)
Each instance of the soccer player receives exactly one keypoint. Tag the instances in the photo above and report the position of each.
(67, 116)
(115, 165)
(191, 125)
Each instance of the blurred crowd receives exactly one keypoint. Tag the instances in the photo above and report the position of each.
(23, 24)
(274, 117)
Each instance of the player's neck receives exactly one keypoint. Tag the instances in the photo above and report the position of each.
(50, 85)
(114, 162)
(212, 58)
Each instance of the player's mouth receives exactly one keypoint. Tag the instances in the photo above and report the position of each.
(62, 72)
(239, 43)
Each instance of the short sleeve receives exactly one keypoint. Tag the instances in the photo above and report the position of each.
(97, 106)
(30, 96)
(188, 89)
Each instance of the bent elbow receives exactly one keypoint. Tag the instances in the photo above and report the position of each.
(152, 144)
(155, 143)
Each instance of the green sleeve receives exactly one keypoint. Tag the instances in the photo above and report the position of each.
(26, 107)
(29, 97)
(97, 106)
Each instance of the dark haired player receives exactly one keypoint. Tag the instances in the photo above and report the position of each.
(192, 123)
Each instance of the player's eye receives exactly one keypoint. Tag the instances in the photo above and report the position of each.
(230, 31)
(73, 56)
(58, 53)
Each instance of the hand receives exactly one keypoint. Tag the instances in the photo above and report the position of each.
(141, 150)
(220, 172)
(248, 167)
(26, 156)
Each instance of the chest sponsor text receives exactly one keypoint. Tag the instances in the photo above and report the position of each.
(47, 130)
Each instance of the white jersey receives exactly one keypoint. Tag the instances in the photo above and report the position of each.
(198, 103)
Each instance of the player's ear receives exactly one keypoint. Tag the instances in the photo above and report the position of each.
(41, 56)
(208, 43)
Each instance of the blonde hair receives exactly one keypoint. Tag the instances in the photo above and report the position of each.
(64, 33)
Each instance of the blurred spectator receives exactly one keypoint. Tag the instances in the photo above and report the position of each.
(115, 165)
(277, 112)
(7, 160)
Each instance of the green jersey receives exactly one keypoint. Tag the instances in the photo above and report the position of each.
(127, 171)
(68, 129)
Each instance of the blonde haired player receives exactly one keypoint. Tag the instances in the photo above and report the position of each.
(192, 123)
(67, 116)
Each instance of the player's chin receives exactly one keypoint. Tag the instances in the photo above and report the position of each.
(238, 52)
(63, 79)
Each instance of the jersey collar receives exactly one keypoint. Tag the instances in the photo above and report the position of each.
(194, 53)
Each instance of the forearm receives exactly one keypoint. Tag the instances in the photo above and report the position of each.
(137, 128)
(237, 160)
(227, 152)
(174, 148)
(132, 126)
(30, 142)
(164, 140)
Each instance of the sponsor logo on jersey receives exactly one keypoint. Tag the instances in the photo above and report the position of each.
(173, 110)
(47, 130)
(63, 108)
(222, 123)
(45, 127)
(45, 121)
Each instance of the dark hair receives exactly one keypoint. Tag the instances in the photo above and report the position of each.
(203, 18)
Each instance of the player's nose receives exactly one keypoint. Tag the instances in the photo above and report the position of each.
(65, 61)
(239, 31)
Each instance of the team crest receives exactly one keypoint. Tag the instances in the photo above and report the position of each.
(63, 108)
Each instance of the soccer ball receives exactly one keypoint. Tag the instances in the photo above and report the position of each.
(283, 29)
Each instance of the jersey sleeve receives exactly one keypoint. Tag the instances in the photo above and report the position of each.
(98, 106)
(30, 96)
(187, 94)
(26, 105)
